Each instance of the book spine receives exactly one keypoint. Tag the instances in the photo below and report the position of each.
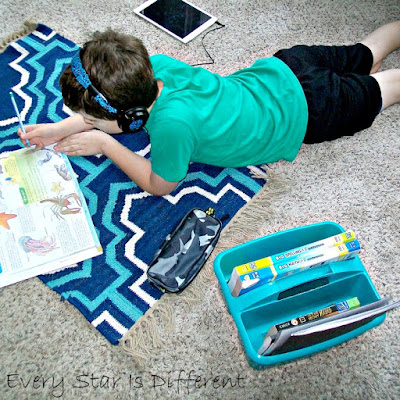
(239, 284)
(325, 312)
(297, 252)
(333, 309)
(268, 262)
(331, 254)
(315, 246)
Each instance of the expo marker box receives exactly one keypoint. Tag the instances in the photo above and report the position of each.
(242, 283)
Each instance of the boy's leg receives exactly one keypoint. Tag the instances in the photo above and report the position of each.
(389, 83)
(382, 42)
(342, 95)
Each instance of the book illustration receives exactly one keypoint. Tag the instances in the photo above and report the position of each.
(64, 205)
(49, 149)
(54, 228)
(62, 170)
(47, 158)
(56, 187)
(4, 219)
(39, 247)
(325, 312)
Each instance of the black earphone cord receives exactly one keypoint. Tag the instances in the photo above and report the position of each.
(220, 26)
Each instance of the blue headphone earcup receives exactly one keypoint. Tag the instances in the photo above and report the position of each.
(135, 125)
(133, 119)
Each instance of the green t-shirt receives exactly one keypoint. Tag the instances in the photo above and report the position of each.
(253, 116)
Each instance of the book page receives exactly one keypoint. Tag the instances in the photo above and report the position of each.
(44, 220)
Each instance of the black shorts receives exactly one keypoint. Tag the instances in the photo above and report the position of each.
(342, 98)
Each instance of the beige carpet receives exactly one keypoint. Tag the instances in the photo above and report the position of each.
(48, 350)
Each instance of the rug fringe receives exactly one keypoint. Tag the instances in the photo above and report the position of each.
(259, 173)
(278, 184)
(144, 338)
(28, 28)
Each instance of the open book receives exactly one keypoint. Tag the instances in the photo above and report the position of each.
(45, 223)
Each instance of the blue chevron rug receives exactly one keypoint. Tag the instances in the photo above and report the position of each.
(111, 290)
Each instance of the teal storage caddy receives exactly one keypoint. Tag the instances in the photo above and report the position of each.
(304, 292)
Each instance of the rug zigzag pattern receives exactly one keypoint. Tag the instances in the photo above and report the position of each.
(111, 290)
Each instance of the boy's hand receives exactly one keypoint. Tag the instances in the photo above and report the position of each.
(40, 135)
(86, 143)
(46, 134)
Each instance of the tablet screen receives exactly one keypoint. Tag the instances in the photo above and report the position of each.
(177, 17)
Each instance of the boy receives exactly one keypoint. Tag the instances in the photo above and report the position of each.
(257, 115)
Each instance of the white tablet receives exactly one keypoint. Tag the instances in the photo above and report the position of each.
(179, 18)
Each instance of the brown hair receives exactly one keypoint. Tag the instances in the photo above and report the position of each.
(119, 67)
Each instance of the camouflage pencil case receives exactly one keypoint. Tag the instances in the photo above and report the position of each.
(184, 251)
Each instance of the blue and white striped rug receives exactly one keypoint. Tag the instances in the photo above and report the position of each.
(111, 290)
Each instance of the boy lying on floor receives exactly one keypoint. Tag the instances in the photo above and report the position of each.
(256, 115)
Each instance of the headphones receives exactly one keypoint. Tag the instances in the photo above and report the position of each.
(131, 120)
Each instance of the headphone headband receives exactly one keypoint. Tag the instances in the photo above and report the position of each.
(83, 78)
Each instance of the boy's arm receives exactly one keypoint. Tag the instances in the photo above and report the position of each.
(46, 134)
(136, 167)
